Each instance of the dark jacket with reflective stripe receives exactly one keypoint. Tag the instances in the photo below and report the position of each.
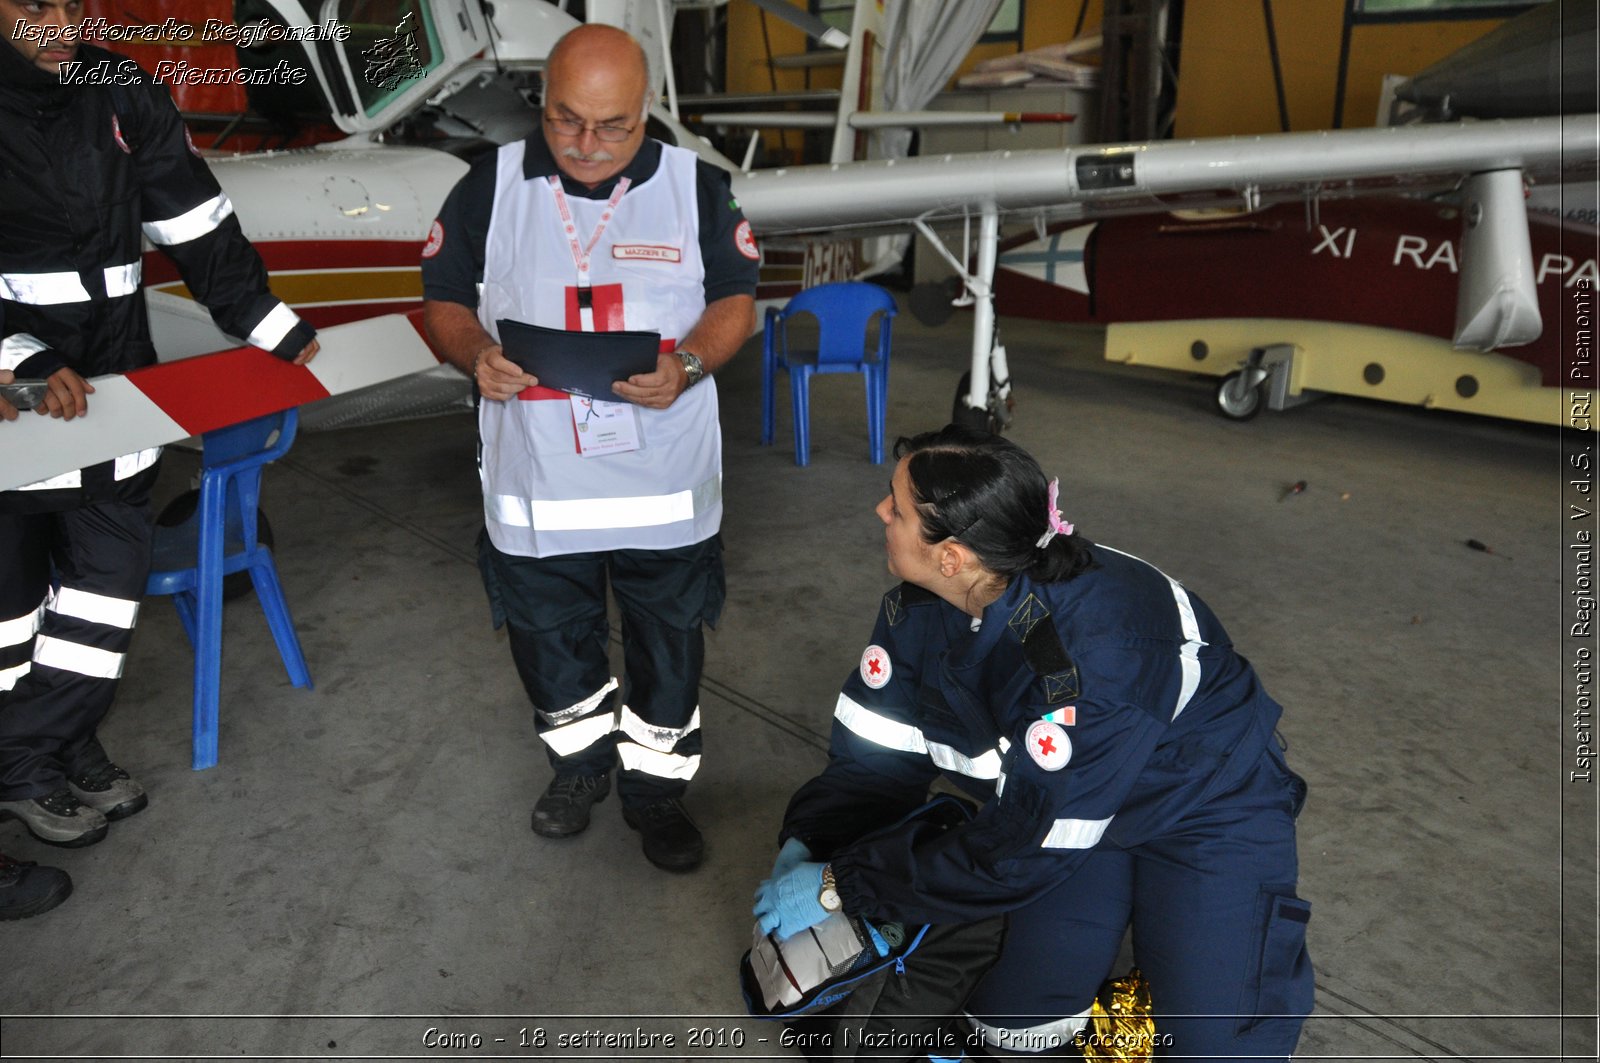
(1152, 715)
(82, 167)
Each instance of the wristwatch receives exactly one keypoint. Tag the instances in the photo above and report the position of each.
(829, 896)
(693, 366)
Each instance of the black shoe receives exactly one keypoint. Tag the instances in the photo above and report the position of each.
(564, 808)
(110, 791)
(26, 889)
(58, 818)
(671, 840)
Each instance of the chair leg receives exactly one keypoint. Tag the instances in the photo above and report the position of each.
(800, 392)
(184, 602)
(769, 399)
(208, 627)
(874, 415)
(269, 592)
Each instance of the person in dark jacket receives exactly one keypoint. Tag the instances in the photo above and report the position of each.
(92, 155)
(1123, 754)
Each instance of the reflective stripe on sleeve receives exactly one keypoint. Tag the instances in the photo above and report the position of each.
(192, 223)
(893, 734)
(660, 739)
(1047, 1037)
(43, 289)
(123, 280)
(137, 462)
(95, 608)
(71, 657)
(20, 629)
(270, 330)
(1075, 833)
(18, 348)
(662, 765)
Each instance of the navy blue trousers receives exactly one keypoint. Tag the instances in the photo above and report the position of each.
(555, 612)
(1217, 931)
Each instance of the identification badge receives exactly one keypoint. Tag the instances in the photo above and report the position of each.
(604, 427)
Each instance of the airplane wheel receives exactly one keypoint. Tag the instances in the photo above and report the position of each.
(962, 414)
(1236, 400)
(182, 508)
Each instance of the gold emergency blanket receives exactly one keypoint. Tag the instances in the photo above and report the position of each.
(1120, 1029)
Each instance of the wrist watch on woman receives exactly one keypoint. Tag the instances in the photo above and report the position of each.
(829, 895)
(693, 366)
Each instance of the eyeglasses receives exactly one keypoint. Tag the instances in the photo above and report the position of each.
(571, 127)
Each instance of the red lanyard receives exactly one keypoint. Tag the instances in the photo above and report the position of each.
(580, 255)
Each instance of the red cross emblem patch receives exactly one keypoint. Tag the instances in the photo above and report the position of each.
(875, 667)
(1049, 745)
(435, 240)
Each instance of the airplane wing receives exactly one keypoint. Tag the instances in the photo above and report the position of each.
(1100, 180)
(164, 403)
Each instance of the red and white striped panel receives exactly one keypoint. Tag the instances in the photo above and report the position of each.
(164, 403)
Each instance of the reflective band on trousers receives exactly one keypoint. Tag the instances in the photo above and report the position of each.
(124, 467)
(191, 224)
(271, 329)
(662, 765)
(1046, 1037)
(660, 739)
(9, 677)
(582, 708)
(20, 629)
(71, 657)
(18, 348)
(894, 734)
(1189, 654)
(49, 289)
(1075, 833)
(570, 738)
(95, 608)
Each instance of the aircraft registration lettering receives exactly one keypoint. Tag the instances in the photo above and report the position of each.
(1561, 266)
(1412, 247)
(1330, 240)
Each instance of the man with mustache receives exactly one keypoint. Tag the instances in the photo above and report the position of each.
(89, 169)
(587, 225)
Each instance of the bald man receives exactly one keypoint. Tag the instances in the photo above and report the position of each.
(590, 226)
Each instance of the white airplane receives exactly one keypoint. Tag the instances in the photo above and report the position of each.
(341, 225)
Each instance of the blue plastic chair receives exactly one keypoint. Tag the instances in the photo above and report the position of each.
(843, 312)
(219, 539)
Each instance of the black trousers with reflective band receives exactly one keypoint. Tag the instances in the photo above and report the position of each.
(555, 610)
(57, 683)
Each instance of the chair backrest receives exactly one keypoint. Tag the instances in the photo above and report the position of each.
(236, 454)
(843, 311)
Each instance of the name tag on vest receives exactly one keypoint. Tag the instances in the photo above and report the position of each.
(647, 252)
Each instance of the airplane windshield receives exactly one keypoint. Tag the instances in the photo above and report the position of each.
(392, 43)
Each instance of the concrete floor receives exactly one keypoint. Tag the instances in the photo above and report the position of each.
(359, 870)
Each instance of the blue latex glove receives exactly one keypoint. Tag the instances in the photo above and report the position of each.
(792, 855)
(787, 904)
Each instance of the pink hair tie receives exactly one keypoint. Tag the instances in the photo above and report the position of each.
(1057, 525)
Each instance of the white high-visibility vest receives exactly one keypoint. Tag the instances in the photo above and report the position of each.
(541, 496)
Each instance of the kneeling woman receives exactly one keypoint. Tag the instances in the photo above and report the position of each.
(1122, 752)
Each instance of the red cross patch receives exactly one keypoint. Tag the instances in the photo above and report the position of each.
(1049, 745)
(875, 667)
(745, 241)
(435, 240)
(116, 134)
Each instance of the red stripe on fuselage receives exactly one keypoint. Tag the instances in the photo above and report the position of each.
(282, 255)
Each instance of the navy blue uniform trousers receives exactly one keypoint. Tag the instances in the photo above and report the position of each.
(555, 610)
(1217, 930)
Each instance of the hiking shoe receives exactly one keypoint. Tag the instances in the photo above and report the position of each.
(671, 840)
(26, 889)
(109, 790)
(57, 819)
(564, 808)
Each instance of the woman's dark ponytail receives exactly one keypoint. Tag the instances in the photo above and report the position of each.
(989, 494)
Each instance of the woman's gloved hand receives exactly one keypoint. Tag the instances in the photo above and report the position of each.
(787, 904)
(793, 854)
